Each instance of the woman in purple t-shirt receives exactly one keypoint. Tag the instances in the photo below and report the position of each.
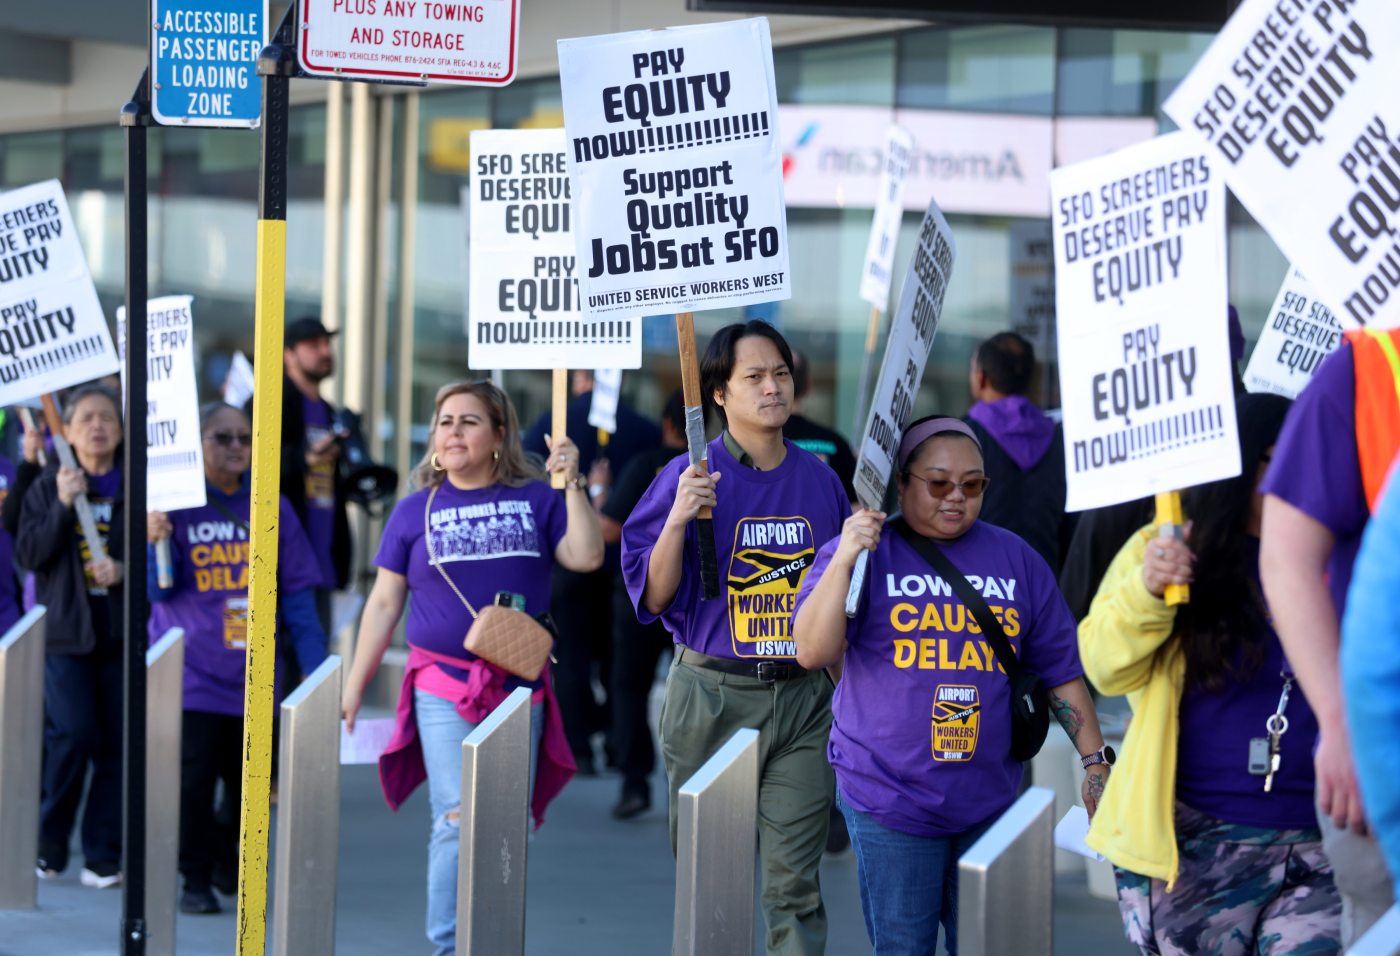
(921, 736)
(1213, 799)
(479, 524)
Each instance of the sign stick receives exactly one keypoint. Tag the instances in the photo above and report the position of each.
(66, 459)
(275, 66)
(26, 416)
(1171, 523)
(559, 417)
(695, 446)
(872, 336)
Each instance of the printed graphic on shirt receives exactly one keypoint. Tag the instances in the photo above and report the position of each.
(942, 632)
(236, 623)
(771, 556)
(320, 478)
(492, 529)
(102, 516)
(957, 716)
(219, 553)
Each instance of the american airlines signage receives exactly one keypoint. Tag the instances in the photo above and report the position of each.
(990, 164)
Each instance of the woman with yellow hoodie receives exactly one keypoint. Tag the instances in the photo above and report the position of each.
(1208, 817)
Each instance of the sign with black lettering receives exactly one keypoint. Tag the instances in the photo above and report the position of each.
(1299, 333)
(889, 214)
(204, 62)
(174, 448)
(523, 296)
(1140, 295)
(906, 354)
(676, 168)
(471, 43)
(1296, 101)
(607, 389)
(52, 331)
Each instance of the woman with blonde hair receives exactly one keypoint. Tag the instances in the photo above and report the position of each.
(480, 524)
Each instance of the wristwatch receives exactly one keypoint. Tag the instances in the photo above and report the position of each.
(1103, 755)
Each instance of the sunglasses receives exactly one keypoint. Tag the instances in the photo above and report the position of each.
(943, 487)
(226, 439)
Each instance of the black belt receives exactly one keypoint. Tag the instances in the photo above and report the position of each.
(766, 671)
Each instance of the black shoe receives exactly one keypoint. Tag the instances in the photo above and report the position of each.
(199, 901)
(838, 840)
(52, 861)
(633, 803)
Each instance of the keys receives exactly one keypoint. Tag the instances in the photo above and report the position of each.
(1277, 726)
(1274, 760)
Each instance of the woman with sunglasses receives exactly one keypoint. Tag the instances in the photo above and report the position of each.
(497, 532)
(921, 735)
(1214, 798)
(208, 599)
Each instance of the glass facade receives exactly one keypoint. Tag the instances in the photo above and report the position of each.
(204, 190)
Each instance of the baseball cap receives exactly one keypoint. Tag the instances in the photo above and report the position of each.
(304, 330)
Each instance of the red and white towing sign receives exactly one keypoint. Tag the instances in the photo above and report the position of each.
(471, 43)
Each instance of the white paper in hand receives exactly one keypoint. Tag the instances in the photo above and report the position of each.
(1071, 831)
(368, 742)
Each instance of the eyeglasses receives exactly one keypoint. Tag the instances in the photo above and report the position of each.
(226, 439)
(943, 487)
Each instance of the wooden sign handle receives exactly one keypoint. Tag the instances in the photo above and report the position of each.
(559, 417)
(695, 447)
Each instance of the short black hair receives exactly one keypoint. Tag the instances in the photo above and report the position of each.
(1008, 361)
(801, 374)
(718, 362)
(674, 411)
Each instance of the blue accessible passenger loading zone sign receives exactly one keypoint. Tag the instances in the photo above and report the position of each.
(204, 62)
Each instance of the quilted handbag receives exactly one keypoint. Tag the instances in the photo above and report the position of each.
(510, 639)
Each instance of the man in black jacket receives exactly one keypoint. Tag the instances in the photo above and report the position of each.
(311, 476)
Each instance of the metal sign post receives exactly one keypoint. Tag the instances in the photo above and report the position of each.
(165, 698)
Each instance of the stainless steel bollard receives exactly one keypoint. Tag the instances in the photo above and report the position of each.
(165, 692)
(308, 816)
(715, 842)
(1014, 861)
(1382, 939)
(21, 754)
(495, 818)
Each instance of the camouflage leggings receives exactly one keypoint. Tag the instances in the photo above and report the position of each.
(1241, 891)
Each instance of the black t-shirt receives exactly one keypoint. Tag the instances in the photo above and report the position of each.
(636, 477)
(826, 444)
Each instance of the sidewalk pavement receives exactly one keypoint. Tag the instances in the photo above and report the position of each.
(596, 886)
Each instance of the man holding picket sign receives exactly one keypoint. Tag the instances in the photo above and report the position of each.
(676, 173)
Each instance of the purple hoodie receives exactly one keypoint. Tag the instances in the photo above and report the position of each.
(1019, 427)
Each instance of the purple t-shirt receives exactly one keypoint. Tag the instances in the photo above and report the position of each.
(209, 555)
(320, 492)
(767, 527)
(488, 539)
(1212, 761)
(921, 736)
(9, 593)
(1315, 467)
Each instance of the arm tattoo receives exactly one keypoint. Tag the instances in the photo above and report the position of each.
(1069, 717)
(1096, 782)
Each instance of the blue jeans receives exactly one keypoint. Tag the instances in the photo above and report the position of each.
(908, 884)
(441, 731)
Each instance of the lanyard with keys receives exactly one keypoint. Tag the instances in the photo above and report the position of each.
(1265, 752)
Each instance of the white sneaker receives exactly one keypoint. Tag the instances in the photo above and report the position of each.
(106, 875)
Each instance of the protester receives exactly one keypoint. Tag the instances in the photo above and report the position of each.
(1024, 449)
(581, 603)
(1333, 456)
(1371, 673)
(310, 476)
(1208, 844)
(735, 664)
(914, 804)
(208, 600)
(496, 528)
(825, 443)
(636, 646)
(83, 664)
(10, 590)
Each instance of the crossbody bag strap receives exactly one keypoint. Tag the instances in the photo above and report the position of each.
(991, 627)
(229, 514)
(432, 558)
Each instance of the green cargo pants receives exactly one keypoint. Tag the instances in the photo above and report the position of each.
(702, 711)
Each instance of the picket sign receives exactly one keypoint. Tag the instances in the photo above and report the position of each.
(901, 372)
(1295, 106)
(607, 391)
(1140, 289)
(1299, 333)
(675, 169)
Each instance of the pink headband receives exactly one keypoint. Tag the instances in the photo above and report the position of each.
(922, 431)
